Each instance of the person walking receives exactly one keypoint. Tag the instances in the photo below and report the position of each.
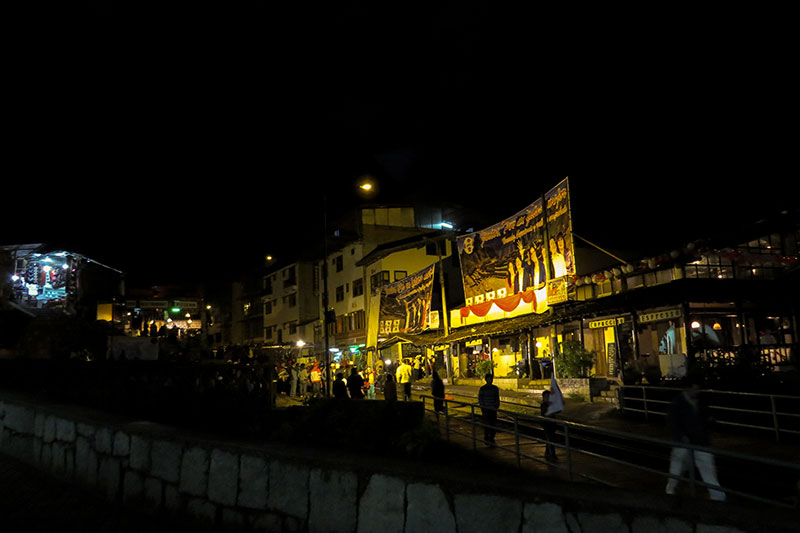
(302, 380)
(355, 384)
(316, 379)
(370, 384)
(293, 374)
(548, 427)
(339, 388)
(437, 391)
(404, 379)
(688, 420)
(390, 388)
(489, 402)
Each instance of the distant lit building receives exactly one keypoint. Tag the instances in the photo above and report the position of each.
(41, 281)
(359, 233)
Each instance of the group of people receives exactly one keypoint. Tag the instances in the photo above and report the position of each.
(297, 379)
(357, 386)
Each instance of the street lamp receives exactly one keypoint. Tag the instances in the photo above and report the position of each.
(367, 186)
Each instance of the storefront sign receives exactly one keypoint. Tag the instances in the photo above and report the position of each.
(154, 304)
(660, 315)
(606, 323)
(478, 342)
(557, 291)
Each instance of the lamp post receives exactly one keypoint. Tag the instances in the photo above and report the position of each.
(367, 186)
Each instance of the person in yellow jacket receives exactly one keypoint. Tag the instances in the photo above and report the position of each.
(404, 378)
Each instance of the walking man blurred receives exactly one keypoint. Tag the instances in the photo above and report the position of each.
(489, 401)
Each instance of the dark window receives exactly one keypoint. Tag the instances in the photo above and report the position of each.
(358, 287)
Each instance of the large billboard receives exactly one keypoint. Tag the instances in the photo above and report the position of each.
(519, 255)
(406, 304)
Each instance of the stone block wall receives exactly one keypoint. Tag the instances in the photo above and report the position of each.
(242, 487)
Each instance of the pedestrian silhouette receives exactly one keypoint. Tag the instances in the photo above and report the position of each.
(549, 428)
(390, 388)
(437, 391)
(489, 401)
(355, 384)
(688, 420)
(339, 387)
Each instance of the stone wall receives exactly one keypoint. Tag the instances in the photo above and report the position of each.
(257, 487)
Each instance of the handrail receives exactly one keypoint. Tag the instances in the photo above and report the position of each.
(567, 426)
(773, 413)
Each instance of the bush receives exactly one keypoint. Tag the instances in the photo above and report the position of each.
(485, 367)
(574, 361)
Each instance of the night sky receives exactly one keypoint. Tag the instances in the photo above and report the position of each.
(181, 145)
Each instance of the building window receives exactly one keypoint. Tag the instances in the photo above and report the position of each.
(358, 287)
(379, 279)
(292, 328)
(268, 308)
(268, 332)
(339, 263)
(400, 274)
(267, 285)
(340, 293)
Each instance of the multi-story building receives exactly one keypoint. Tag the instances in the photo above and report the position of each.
(290, 305)
(349, 281)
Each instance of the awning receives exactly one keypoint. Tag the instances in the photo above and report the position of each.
(421, 339)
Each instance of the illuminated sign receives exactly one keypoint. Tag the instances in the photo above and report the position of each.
(519, 255)
(606, 323)
(557, 291)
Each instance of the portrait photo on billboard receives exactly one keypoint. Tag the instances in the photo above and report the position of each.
(559, 231)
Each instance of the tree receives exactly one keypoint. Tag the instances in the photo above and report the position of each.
(574, 361)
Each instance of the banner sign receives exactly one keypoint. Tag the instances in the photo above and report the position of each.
(504, 259)
(514, 257)
(559, 231)
(405, 304)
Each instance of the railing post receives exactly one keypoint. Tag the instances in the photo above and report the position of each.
(569, 451)
(644, 397)
(447, 419)
(775, 418)
(472, 417)
(516, 439)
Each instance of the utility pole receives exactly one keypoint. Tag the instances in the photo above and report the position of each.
(327, 357)
(439, 245)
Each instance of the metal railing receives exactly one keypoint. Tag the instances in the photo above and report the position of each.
(780, 413)
(570, 430)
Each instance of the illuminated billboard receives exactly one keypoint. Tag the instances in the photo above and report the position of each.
(512, 261)
(406, 304)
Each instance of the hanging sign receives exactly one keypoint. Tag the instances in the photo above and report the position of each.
(557, 292)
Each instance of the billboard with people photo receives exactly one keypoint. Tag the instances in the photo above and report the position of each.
(519, 255)
(406, 304)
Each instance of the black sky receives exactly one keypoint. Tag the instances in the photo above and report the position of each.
(182, 144)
